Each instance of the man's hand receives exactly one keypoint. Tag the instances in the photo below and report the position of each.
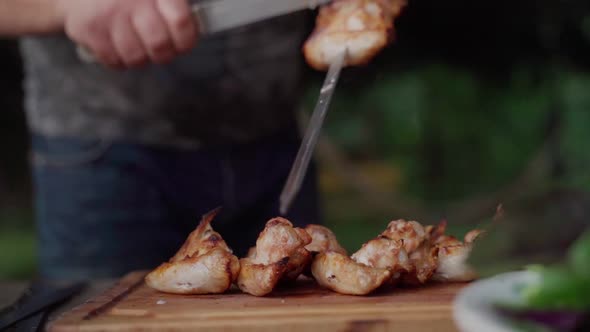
(130, 33)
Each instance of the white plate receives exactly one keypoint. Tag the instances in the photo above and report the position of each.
(473, 309)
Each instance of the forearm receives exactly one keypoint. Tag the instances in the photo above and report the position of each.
(28, 17)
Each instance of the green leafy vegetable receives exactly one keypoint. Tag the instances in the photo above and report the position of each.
(558, 289)
(564, 287)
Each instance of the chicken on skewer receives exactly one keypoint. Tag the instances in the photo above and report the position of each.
(203, 265)
(362, 27)
(279, 254)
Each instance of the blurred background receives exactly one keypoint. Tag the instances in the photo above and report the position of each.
(477, 104)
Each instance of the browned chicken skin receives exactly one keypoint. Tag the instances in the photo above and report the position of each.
(299, 263)
(362, 27)
(279, 254)
(411, 233)
(342, 274)
(323, 239)
(452, 264)
(383, 253)
(423, 264)
(405, 252)
(378, 262)
(203, 265)
(453, 255)
(433, 254)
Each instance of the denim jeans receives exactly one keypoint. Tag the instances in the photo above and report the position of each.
(106, 208)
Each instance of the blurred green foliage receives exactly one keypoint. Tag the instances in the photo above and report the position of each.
(441, 124)
(17, 244)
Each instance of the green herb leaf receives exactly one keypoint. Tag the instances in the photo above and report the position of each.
(558, 289)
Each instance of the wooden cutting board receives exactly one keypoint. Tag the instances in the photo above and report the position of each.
(132, 306)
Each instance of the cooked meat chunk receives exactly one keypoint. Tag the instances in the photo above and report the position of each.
(361, 27)
(279, 254)
(203, 265)
(411, 233)
(323, 239)
(341, 274)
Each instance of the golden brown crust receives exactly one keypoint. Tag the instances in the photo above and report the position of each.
(260, 279)
(453, 255)
(364, 271)
(202, 239)
(411, 233)
(383, 253)
(299, 262)
(279, 255)
(423, 265)
(364, 27)
(203, 265)
(323, 239)
(341, 274)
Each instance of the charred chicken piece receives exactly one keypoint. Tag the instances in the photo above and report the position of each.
(433, 254)
(380, 261)
(411, 233)
(452, 258)
(423, 265)
(383, 253)
(417, 241)
(452, 264)
(299, 263)
(279, 254)
(362, 27)
(341, 274)
(203, 265)
(322, 240)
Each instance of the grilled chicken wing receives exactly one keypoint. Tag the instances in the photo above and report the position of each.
(341, 274)
(411, 233)
(452, 264)
(417, 241)
(383, 253)
(203, 265)
(423, 265)
(362, 27)
(452, 258)
(323, 239)
(299, 263)
(378, 262)
(279, 254)
(433, 254)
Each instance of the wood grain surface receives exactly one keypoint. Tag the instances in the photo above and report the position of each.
(132, 306)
